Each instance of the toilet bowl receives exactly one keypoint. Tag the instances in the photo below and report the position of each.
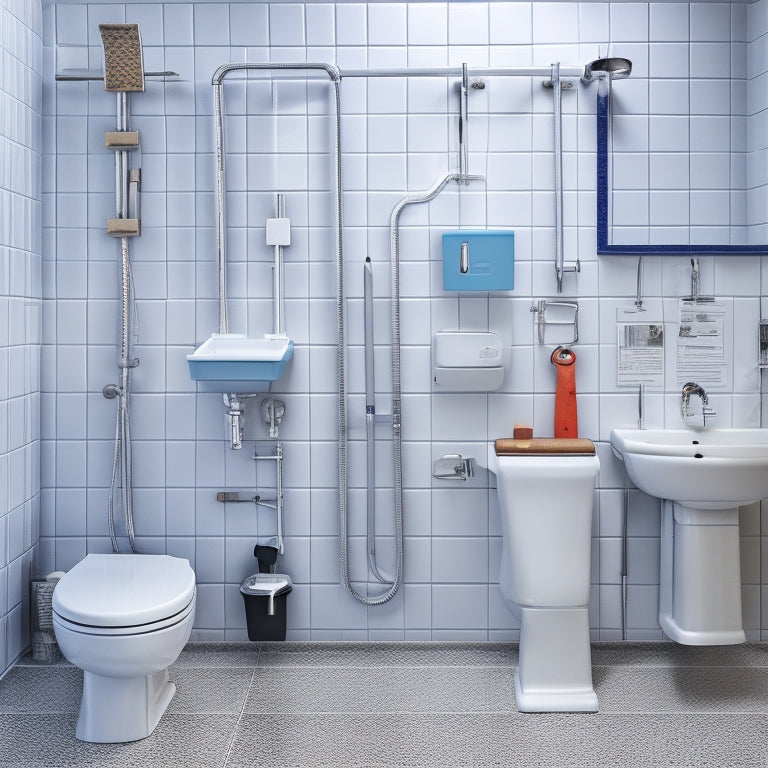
(545, 489)
(124, 619)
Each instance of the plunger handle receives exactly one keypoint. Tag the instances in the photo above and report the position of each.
(566, 415)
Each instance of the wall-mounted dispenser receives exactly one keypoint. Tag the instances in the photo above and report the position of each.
(479, 260)
(467, 361)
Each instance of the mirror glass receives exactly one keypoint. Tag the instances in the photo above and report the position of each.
(688, 176)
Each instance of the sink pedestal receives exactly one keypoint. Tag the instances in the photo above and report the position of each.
(700, 584)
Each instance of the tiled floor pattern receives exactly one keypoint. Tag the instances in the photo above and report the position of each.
(379, 705)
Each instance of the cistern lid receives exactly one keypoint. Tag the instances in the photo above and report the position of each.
(124, 590)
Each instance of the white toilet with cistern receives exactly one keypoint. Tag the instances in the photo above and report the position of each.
(546, 488)
(124, 619)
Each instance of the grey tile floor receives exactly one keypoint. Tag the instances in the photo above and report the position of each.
(382, 705)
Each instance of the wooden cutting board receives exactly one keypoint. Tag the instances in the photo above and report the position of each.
(544, 446)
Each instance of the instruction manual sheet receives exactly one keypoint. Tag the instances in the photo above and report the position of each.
(640, 357)
(701, 342)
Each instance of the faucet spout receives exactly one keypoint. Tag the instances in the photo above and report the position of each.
(692, 388)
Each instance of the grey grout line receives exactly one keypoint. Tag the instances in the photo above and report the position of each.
(239, 719)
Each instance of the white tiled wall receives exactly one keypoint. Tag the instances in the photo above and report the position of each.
(680, 141)
(20, 312)
(398, 135)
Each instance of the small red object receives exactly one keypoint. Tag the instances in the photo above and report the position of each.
(566, 415)
(522, 432)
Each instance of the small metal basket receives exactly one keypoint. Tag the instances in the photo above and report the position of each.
(44, 645)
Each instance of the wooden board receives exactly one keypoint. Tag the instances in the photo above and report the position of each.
(544, 446)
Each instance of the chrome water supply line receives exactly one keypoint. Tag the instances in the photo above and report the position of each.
(394, 231)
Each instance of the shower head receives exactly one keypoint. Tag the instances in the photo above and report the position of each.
(123, 62)
(613, 69)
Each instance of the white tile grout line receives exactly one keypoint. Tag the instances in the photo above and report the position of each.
(239, 719)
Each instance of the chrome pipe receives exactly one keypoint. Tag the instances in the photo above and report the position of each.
(218, 112)
(394, 231)
(537, 71)
(463, 125)
(557, 96)
(639, 297)
(370, 422)
(279, 496)
(278, 300)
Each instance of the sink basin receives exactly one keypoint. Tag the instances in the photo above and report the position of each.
(231, 362)
(704, 477)
(708, 469)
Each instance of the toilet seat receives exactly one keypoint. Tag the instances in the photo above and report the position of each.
(125, 594)
(141, 629)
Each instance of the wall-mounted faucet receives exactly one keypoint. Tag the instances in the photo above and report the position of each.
(692, 388)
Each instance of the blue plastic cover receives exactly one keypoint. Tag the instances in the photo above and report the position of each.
(490, 260)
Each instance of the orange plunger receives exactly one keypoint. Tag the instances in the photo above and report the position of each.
(566, 416)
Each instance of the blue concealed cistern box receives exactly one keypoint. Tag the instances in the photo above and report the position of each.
(478, 260)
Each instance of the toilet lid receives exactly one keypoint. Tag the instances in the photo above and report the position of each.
(124, 590)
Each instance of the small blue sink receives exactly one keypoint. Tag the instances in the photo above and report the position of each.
(231, 362)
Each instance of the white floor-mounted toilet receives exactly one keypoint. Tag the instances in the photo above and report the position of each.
(546, 491)
(124, 619)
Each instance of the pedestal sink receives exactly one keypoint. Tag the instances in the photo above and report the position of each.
(703, 477)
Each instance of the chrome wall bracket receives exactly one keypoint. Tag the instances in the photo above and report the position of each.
(567, 311)
(453, 466)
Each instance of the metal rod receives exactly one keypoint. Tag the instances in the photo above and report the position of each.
(540, 71)
(639, 297)
(557, 93)
(624, 566)
(279, 495)
(277, 278)
(463, 125)
(86, 76)
(370, 423)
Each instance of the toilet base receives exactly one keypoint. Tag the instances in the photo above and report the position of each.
(555, 669)
(116, 709)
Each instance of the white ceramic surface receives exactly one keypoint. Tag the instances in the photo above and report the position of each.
(707, 469)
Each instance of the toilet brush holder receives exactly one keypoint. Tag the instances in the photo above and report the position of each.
(265, 597)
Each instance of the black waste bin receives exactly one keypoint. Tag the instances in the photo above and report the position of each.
(265, 596)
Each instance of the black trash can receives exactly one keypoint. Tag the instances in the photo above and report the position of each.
(265, 596)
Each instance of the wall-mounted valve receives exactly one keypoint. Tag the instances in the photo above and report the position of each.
(236, 413)
(272, 411)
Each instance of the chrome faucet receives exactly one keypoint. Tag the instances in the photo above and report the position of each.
(694, 284)
(692, 388)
